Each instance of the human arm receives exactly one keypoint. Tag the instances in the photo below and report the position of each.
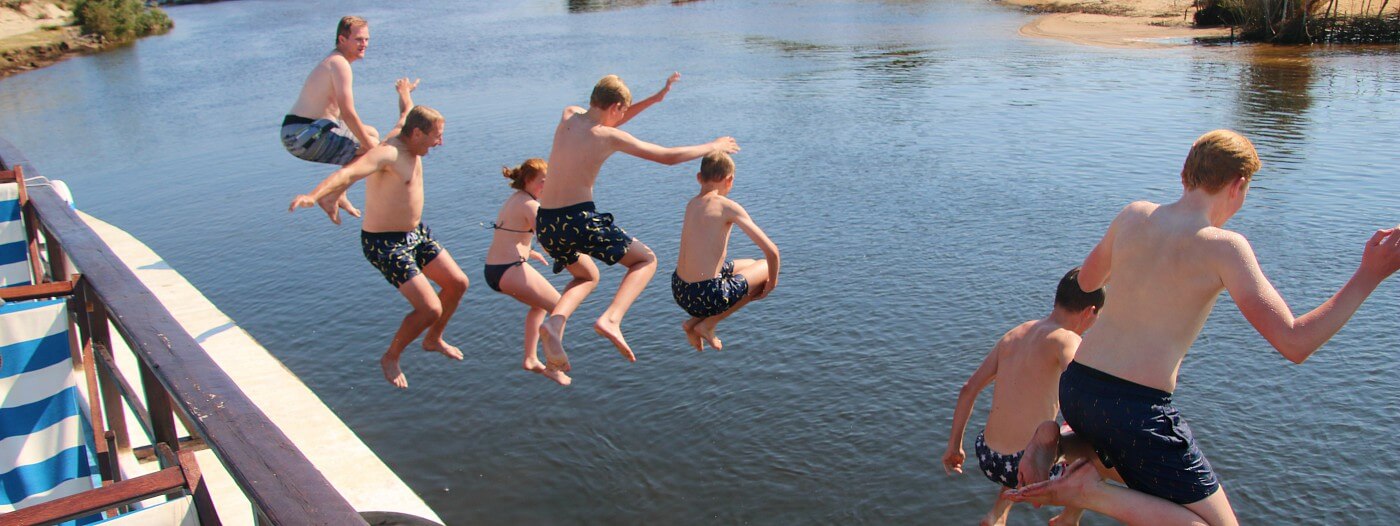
(1093, 274)
(1264, 308)
(340, 180)
(343, 80)
(405, 90)
(967, 396)
(643, 104)
(532, 208)
(624, 142)
(740, 217)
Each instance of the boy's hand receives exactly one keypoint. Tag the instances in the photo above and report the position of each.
(725, 144)
(366, 147)
(953, 460)
(538, 257)
(767, 288)
(1382, 255)
(405, 87)
(301, 201)
(669, 81)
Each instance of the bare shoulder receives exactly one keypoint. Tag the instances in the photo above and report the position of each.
(571, 111)
(1060, 345)
(336, 62)
(1225, 246)
(732, 208)
(1137, 209)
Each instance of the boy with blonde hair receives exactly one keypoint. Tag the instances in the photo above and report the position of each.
(568, 225)
(1025, 366)
(707, 285)
(1167, 265)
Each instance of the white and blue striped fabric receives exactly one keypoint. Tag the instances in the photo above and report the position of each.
(14, 260)
(45, 438)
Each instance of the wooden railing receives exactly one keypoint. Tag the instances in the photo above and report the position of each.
(178, 378)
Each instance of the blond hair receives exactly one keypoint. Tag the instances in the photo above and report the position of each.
(521, 175)
(1217, 159)
(421, 118)
(348, 24)
(715, 167)
(610, 90)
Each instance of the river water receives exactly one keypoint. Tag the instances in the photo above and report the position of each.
(928, 174)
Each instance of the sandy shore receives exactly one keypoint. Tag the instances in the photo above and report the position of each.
(1127, 23)
(35, 34)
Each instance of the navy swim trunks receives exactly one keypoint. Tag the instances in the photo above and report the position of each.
(1135, 429)
(580, 229)
(400, 255)
(1003, 469)
(711, 297)
(318, 141)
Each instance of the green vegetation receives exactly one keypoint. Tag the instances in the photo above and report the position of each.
(1299, 21)
(119, 21)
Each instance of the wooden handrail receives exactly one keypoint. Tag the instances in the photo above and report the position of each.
(163, 482)
(282, 484)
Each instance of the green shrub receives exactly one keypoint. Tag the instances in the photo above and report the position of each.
(120, 21)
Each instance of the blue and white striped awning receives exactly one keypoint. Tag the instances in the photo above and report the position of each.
(45, 437)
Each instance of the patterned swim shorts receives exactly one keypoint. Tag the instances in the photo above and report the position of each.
(400, 255)
(711, 297)
(318, 141)
(580, 229)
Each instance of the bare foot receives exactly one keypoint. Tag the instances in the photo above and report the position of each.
(706, 330)
(557, 375)
(444, 348)
(987, 520)
(613, 332)
(1041, 453)
(392, 373)
(690, 336)
(551, 338)
(1072, 489)
(533, 365)
(1069, 517)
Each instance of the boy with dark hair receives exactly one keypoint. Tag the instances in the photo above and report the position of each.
(1025, 364)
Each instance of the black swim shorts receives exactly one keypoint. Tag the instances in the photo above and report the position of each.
(1135, 429)
(400, 255)
(711, 297)
(1001, 468)
(580, 229)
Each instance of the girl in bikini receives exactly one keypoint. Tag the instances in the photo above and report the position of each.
(511, 245)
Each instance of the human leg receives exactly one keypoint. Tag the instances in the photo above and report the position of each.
(1000, 509)
(426, 310)
(527, 286)
(445, 272)
(641, 266)
(755, 274)
(585, 274)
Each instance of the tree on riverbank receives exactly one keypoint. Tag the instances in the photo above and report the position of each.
(1302, 21)
(120, 21)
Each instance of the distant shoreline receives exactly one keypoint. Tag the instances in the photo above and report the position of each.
(38, 33)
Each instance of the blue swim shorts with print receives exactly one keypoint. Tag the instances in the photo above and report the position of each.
(711, 297)
(1003, 469)
(400, 256)
(566, 232)
(318, 141)
(1135, 429)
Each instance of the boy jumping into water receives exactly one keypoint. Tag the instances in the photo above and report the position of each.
(1025, 365)
(705, 284)
(568, 225)
(1168, 265)
(322, 125)
(394, 239)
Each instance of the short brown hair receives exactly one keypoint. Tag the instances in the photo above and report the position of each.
(522, 174)
(715, 167)
(421, 118)
(1216, 159)
(610, 90)
(348, 24)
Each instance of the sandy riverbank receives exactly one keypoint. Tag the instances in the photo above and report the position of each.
(38, 33)
(1126, 23)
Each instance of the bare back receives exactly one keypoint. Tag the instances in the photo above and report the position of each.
(1161, 289)
(581, 145)
(394, 193)
(318, 94)
(704, 237)
(514, 232)
(1029, 360)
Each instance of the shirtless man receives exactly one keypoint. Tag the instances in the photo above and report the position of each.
(1024, 366)
(568, 225)
(323, 126)
(393, 238)
(1167, 265)
(706, 284)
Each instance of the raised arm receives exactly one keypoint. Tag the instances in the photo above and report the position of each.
(624, 142)
(343, 81)
(740, 217)
(643, 104)
(953, 457)
(338, 181)
(405, 89)
(1298, 338)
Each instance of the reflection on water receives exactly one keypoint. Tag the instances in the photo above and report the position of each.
(589, 6)
(1274, 94)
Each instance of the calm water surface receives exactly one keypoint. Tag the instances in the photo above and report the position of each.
(928, 174)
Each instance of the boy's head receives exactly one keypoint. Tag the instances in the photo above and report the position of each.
(610, 91)
(716, 168)
(1218, 159)
(349, 34)
(1072, 299)
(422, 129)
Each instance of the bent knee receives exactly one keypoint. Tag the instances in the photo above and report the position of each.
(457, 283)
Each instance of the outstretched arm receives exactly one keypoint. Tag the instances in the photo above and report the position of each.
(624, 142)
(642, 105)
(953, 457)
(343, 80)
(1298, 338)
(405, 89)
(740, 217)
(340, 180)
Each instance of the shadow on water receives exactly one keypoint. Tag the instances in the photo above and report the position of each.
(590, 6)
